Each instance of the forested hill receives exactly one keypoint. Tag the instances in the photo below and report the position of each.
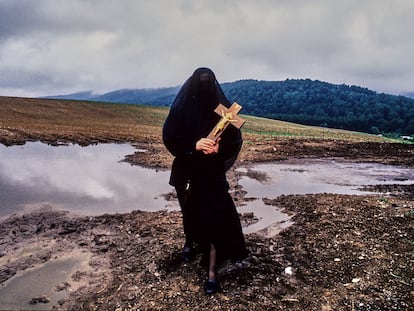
(301, 101)
(320, 103)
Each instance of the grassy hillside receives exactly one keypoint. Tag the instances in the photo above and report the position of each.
(302, 101)
(65, 118)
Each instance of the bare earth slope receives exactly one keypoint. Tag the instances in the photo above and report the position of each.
(343, 252)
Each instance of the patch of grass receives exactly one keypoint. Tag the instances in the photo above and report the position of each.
(61, 116)
(256, 126)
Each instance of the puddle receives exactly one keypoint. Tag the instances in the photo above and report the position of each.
(93, 180)
(310, 176)
(43, 281)
(86, 180)
(266, 214)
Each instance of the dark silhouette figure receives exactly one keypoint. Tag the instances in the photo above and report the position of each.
(210, 218)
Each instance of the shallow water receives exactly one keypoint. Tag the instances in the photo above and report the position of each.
(310, 176)
(17, 292)
(86, 180)
(94, 180)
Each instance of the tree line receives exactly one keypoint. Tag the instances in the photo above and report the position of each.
(323, 104)
(302, 101)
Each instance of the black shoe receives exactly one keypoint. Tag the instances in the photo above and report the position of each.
(211, 287)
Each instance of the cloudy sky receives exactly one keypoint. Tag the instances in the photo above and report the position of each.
(64, 46)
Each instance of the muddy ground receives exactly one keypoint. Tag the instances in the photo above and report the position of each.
(342, 252)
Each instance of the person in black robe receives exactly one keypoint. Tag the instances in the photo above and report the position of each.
(198, 173)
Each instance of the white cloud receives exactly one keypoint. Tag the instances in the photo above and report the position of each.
(51, 47)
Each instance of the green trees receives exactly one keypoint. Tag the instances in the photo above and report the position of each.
(324, 104)
(302, 101)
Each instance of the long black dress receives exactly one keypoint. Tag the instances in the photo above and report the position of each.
(209, 213)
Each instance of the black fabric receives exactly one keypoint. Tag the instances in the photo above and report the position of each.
(209, 213)
(192, 117)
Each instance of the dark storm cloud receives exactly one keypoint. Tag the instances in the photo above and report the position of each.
(17, 17)
(24, 18)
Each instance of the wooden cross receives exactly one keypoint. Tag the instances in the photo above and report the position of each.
(228, 116)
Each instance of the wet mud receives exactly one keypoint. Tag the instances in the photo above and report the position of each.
(340, 252)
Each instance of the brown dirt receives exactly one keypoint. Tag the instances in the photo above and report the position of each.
(343, 252)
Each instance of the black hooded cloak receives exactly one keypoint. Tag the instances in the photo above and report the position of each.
(209, 213)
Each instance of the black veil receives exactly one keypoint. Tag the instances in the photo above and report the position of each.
(192, 117)
(192, 113)
(195, 104)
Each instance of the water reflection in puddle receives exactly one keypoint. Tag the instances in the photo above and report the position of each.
(92, 180)
(42, 281)
(87, 180)
(311, 176)
(267, 215)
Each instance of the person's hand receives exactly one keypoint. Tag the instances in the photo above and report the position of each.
(207, 145)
